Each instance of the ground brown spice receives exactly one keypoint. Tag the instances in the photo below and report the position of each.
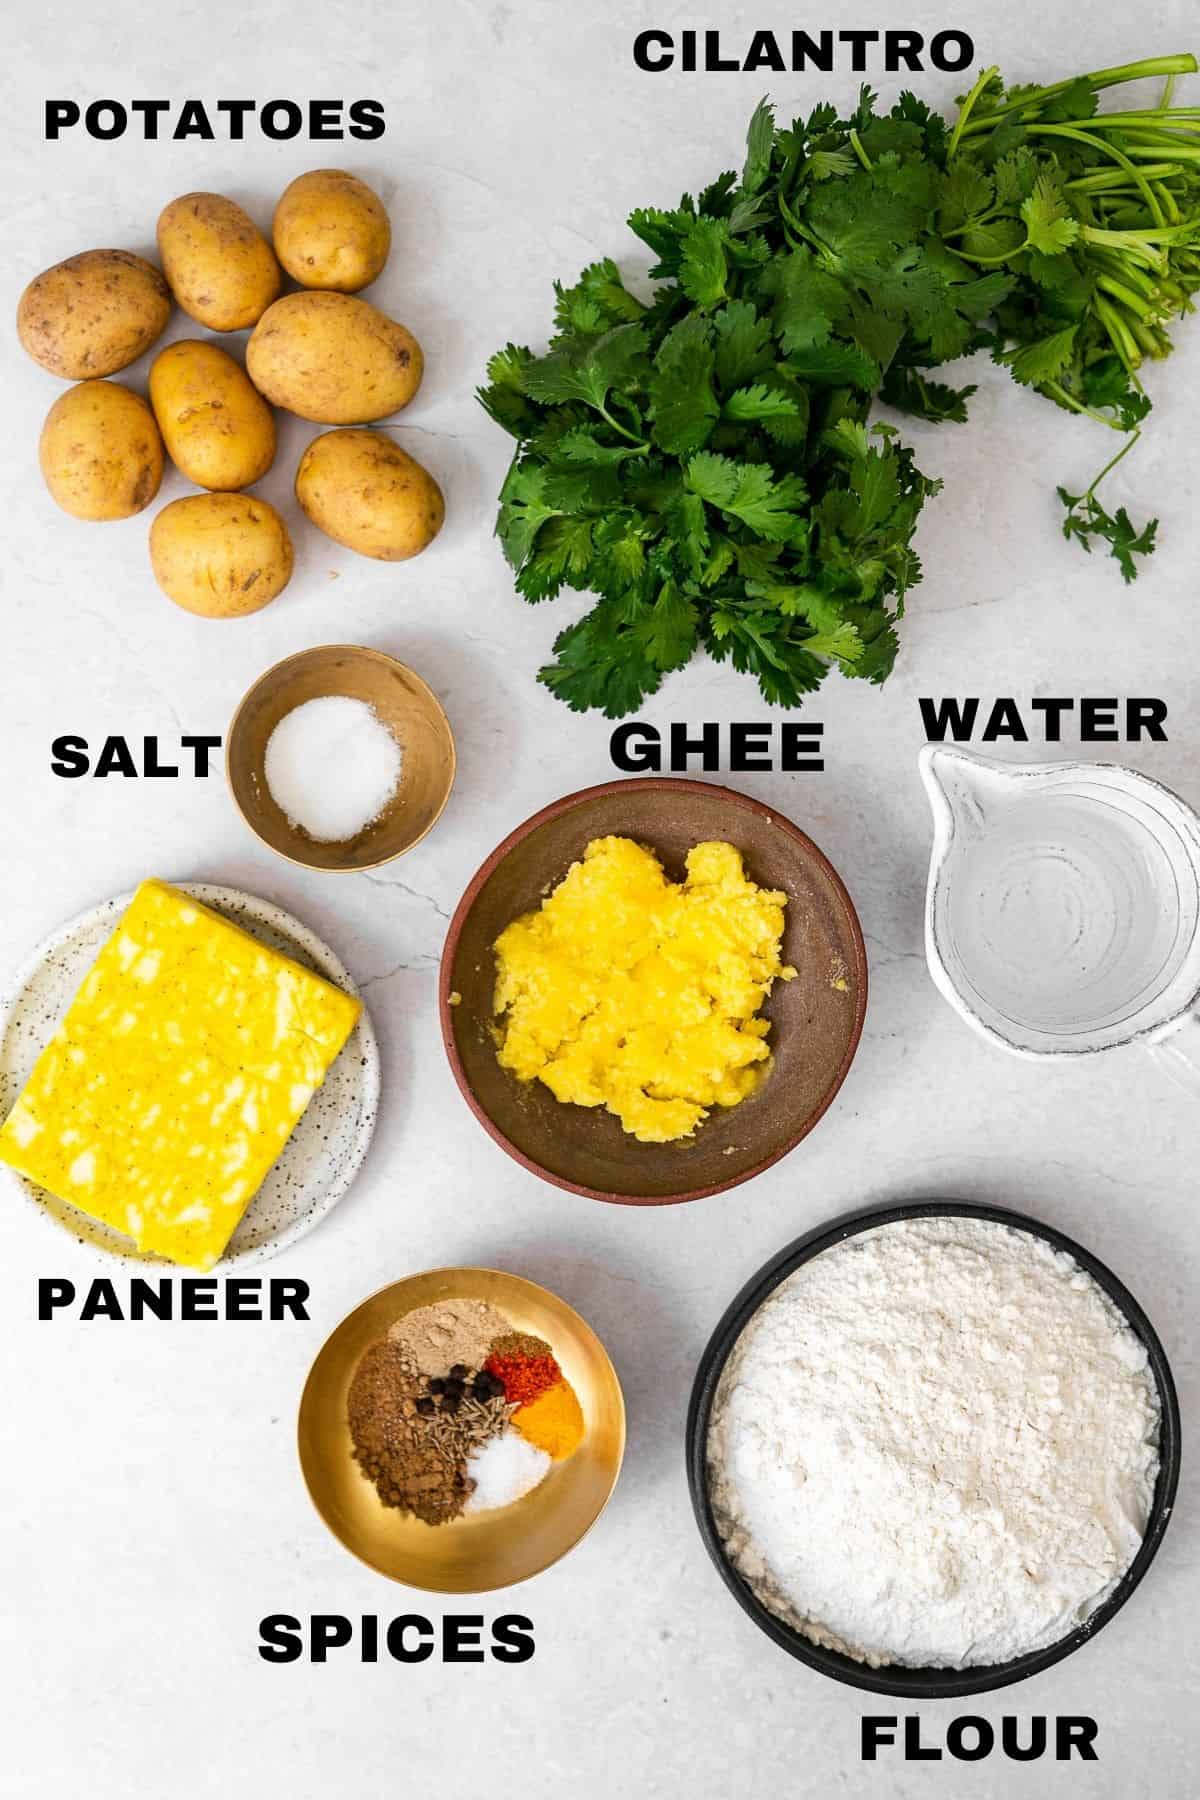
(411, 1468)
(416, 1459)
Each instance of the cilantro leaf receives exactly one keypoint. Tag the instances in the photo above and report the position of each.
(747, 491)
(582, 445)
(758, 646)
(597, 300)
(743, 343)
(683, 402)
(1042, 360)
(966, 192)
(1050, 225)
(587, 373)
(760, 402)
(835, 365)
(524, 509)
(1076, 102)
(1086, 518)
(702, 266)
(1106, 383)
(809, 302)
(616, 655)
(561, 556)
(909, 391)
(760, 141)
(503, 399)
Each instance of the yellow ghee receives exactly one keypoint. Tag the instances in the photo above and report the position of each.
(630, 991)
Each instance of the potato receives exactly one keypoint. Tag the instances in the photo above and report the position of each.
(218, 429)
(221, 555)
(331, 231)
(93, 314)
(220, 267)
(100, 451)
(333, 359)
(365, 492)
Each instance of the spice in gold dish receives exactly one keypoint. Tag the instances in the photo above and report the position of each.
(435, 1409)
(642, 995)
(453, 1331)
(524, 1365)
(553, 1422)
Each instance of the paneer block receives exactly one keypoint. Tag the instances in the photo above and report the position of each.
(183, 1065)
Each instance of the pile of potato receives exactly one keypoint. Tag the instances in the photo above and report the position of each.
(320, 353)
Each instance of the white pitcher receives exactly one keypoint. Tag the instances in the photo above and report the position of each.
(1063, 909)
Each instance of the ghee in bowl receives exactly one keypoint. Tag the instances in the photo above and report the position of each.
(629, 991)
(813, 1020)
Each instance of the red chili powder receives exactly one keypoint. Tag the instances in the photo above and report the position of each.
(525, 1366)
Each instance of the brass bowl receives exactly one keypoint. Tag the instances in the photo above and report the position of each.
(487, 1550)
(410, 710)
(816, 1019)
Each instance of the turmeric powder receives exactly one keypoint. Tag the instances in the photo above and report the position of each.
(554, 1421)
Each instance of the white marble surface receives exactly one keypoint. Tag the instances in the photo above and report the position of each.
(151, 1510)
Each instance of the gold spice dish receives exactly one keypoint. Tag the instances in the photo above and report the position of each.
(479, 1551)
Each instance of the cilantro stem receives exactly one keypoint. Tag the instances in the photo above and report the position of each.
(1115, 181)
(1130, 274)
(1057, 392)
(861, 154)
(1161, 118)
(642, 445)
(1118, 156)
(966, 109)
(1109, 466)
(1134, 303)
(1181, 64)
(1122, 339)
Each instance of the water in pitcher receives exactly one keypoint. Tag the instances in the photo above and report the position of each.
(1066, 913)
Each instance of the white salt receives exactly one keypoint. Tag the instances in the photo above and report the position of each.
(504, 1469)
(332, 766)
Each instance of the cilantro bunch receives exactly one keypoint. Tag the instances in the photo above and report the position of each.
(704, 463)
(1096, 218)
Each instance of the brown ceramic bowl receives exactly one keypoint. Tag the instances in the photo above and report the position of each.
(480, 1552)
(816, 1020)
(410, 710)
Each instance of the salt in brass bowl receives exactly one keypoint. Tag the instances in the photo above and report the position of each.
(816, 1019)
(481, 1551)
(410, 710)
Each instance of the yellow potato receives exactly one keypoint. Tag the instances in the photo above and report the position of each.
(333, 359)
(220, 267)
(218, 429)
(93, 314)
(100, 451)
(220, 555)
(331, 231)
(364, 491)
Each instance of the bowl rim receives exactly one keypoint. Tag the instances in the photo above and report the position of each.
(566, 803)
(895, 1679)
(368, 652)
(452, 1271)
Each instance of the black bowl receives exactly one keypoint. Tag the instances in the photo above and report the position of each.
(922, 1684)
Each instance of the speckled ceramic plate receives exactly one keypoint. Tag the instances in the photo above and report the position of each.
(323, 1154)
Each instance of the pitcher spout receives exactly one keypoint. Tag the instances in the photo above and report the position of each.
(963, 787)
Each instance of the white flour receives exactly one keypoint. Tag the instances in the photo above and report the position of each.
(935, 1444)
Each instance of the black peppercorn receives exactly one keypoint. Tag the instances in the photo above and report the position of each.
(451, 1403)
(437, 1385)
(459, 1372)
(426, 1407)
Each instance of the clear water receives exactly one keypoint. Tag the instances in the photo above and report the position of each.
(1073, 912)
